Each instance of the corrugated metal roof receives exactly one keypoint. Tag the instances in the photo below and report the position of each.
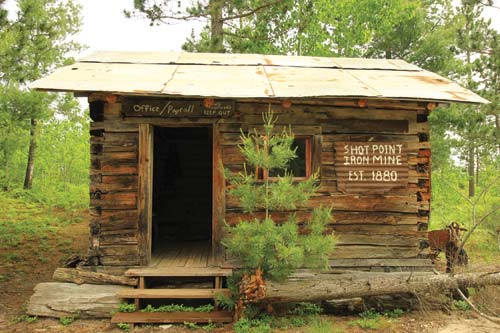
(252, 76)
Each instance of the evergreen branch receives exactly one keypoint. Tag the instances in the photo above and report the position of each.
(252, 11)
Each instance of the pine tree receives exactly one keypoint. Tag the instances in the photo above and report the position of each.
(276, 249)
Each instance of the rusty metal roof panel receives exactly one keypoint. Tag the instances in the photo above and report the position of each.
(221, 59)
(252, 75)
(384, 64)
(308, 82)
(220, 81)
(125, 78)
(416, 85)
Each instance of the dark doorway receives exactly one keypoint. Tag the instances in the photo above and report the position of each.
(182, 187)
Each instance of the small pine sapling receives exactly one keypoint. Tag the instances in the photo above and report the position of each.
(276, 248)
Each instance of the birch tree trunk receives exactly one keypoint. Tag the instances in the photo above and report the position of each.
(30, 166)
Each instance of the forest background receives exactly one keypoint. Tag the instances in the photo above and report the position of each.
(44, 137)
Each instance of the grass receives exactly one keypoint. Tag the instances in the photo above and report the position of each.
(66, 320)
(31, 236)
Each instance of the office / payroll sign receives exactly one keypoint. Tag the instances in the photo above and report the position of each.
(370, 166)
(169, 108)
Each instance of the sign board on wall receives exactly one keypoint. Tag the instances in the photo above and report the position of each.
(370, 166)
(175, 108)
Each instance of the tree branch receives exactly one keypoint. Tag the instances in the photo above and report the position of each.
(252, 11)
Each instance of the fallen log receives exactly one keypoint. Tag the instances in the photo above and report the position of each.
(307, 285)
(81, 277)
(55, 299)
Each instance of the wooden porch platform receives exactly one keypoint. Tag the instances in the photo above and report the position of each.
(193, 254)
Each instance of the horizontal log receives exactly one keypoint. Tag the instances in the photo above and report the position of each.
(81, 277)
(111, 270)
(367, 126)
(118, 237)
(117, 219)
(307, 286)
(120, 155)
(377, 240)
(118, 200)
(56, 299)
(396, 203)
(352, 103)
(233, 217)
(354, 263)
(119, 250)
(124, 260)
(372, 252)
(114, 166)
(114, 126)
(113, 183)
(400, 229)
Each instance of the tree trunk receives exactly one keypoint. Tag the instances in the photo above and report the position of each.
(28, 178)
(305, 286)
(471, 169)
(497, 125)
(216, 27)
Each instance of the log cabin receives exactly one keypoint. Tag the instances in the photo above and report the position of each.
(164, 125)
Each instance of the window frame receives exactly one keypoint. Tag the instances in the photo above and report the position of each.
(262, 175)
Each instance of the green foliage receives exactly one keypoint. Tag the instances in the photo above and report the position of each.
(306, 309)
(34, 42)
(66, 320)
(209, 327)
(369, 320)
(225, 302)
(26, 319)
(62, 168)
(396, 313)
(323, 326)
(124, 327)
(126, 307)
(370, 314)
(190, 325)
(460, 305)
(245, 325)
(277, 249)
(178, 308)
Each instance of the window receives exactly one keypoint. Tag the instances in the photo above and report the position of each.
(300, 167)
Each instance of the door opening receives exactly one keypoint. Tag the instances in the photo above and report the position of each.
(182, 189)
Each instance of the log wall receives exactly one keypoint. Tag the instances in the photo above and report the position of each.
(371, 225)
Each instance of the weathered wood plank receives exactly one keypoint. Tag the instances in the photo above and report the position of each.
(118, 200)
(174, 293)
(179, 272)
(173, 317)
(338, 263)
(338, 217)
(374, 252)
(145, 201)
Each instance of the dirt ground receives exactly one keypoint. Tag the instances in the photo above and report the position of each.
(19, 278)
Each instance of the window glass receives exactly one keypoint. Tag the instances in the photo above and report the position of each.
(300, 166)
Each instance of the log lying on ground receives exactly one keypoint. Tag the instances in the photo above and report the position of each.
(54, 299)
(321, 286)
(80, 277)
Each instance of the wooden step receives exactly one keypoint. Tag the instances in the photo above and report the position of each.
(179, 272)
(173, 293)
(172, 317)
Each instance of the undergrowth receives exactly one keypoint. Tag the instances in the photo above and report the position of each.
(178, 308)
